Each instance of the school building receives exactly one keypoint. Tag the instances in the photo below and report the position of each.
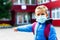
(23, 11)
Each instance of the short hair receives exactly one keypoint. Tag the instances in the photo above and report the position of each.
(43, 7)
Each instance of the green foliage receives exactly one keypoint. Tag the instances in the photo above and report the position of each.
(5, 6)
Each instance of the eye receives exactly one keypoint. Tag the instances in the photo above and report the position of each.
(42, 14)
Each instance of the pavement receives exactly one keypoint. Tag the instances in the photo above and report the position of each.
(9, 34)
(58, 32)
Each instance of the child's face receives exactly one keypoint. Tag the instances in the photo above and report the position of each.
(40, 11)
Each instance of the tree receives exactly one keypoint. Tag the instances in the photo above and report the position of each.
(5, 6)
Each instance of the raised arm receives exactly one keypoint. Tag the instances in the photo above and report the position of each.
(25, 28)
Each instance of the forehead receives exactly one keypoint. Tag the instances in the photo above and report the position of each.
(40, 9)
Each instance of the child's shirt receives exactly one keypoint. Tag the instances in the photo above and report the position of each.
(39, 31)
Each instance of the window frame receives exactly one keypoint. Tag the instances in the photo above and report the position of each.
(43, 2)
(56, 15)
(24, 3)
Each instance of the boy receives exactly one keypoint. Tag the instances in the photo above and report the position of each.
(41, 16)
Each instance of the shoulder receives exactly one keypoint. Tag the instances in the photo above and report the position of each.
(52, 28)
(33, 24)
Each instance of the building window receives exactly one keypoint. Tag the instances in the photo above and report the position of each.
(33, 15)
(48, 12)
(33, 1)
(56, 13)
(42, 1)
(15, 2)
(22, 18)
(53, 14)
(20, 2)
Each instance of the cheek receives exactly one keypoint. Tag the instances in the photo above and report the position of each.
(35, 14)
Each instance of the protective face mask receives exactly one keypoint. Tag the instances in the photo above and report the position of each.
(41, 19)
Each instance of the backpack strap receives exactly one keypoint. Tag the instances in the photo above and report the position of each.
(47, 30)
(33, 26)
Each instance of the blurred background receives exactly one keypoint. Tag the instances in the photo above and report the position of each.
(21, 12)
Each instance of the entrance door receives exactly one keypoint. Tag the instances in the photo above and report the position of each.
(23, 18)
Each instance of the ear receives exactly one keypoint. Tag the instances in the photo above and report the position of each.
(46, 14)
